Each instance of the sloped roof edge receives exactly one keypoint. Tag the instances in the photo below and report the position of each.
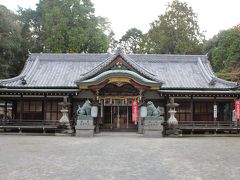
(29, 66)
(210, 77)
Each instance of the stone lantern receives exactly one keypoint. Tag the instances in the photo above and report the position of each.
(172, 121)
(64, 121)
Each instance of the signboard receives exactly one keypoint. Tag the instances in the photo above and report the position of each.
(135, 111)
(215, 111)
(237, 109)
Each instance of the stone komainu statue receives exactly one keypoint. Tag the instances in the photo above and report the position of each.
(152, 110)
(85, 109)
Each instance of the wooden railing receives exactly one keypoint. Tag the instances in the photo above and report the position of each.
(228, 125)
(18, 122)
(32, 125)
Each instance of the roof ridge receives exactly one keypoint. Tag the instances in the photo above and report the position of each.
(196, 55)
(97, 68)
(135, 63)
(206, 76)
(68, 53)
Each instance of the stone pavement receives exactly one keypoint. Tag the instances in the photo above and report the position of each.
(122, 156)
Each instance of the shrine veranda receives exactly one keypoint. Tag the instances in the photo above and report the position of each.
(31, 101)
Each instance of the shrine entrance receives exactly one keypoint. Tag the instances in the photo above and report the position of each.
(116, 105)
(115, 89)
(118, 117)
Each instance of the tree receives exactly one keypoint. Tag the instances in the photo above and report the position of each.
(30, 30)
(10, 43)
(131, 40)
(61, 26)
(224, 53)
(175, 32)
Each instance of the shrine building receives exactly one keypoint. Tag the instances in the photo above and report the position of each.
(32, 100)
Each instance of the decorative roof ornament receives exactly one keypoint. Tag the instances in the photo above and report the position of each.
(29, 52)
(119, 50)
(212, 82)
(29, 55)
(23, 81)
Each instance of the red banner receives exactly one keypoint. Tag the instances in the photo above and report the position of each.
(135, 111)
(237, 109)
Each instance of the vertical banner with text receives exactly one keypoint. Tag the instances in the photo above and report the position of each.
(237, 109)
(215, 111)
(135, 111)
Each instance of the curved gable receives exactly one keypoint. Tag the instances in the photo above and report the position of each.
(118, 77)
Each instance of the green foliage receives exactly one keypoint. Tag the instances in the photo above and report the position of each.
(61, 26)
(175, 32)
(56, 26)
(132, 40)
(70, 26)
(224, 52)
(30, 30)
(10, 43)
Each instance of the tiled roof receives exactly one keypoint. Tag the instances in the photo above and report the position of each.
(62, 70)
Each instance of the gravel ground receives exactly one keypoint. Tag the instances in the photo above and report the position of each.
(119, 156)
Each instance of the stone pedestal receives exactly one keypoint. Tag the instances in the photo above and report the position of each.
(152, 126)
(64, 125)
(85, 127)
(64, 121)
(172, 123)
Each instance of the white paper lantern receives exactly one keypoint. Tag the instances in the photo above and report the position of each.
(94, 111)
(143, 111)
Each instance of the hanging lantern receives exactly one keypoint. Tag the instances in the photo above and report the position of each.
(143, 111)
(94, 111)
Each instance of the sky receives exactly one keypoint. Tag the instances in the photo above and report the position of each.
(213, 15)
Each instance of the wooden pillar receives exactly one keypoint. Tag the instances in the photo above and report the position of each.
(101, 114)
(45, 107)
(5, 109)
(21, 108)
(192, 109)
(127, 117)
(70, 108)
(165, 109)
(118, 117)
(111, 117)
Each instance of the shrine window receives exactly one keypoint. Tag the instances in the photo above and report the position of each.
(31, 110)
(53, 110)
(203, 111)
(184, 111)
(6, 109)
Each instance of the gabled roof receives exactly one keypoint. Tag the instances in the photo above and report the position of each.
(62, 70)
(119, 52)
